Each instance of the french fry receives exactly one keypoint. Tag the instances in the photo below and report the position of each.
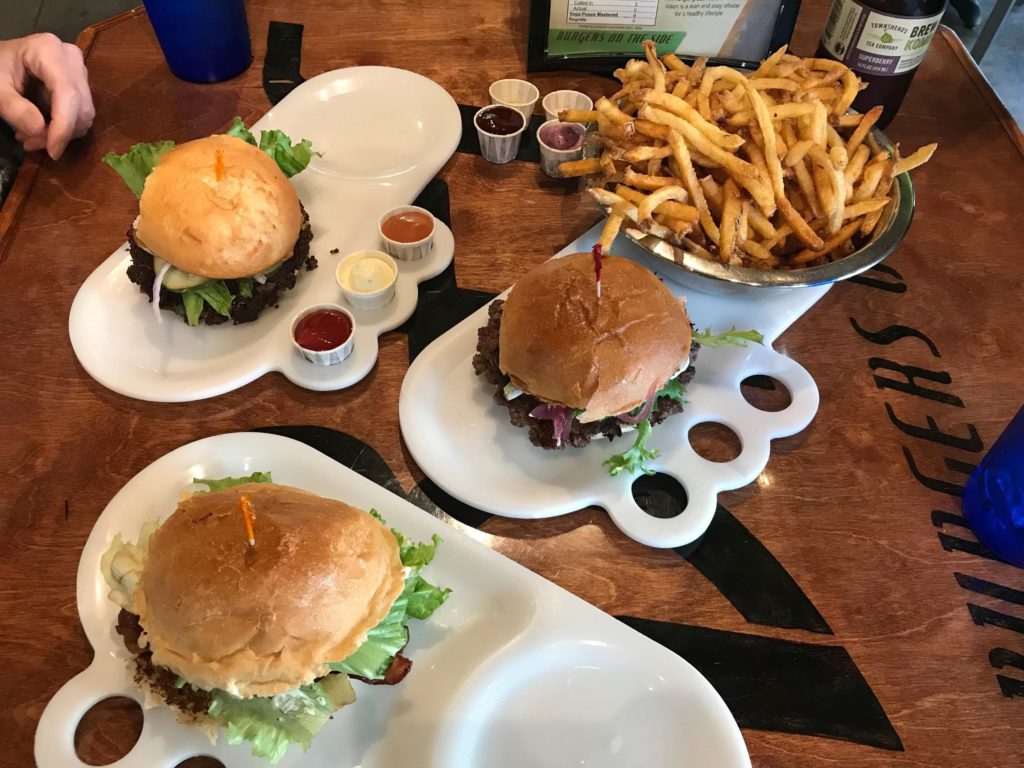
(863, 127)
(759, 252)
(645, 211)
(685, 166)
(851, 87)
(611, 112)
(865, 207)
(610, 230)
(670, 208)
(912, 161)
(731, 207)
(826, 247)
(578, 116)
(613, 202)
(674, 63)
(855, 167)
(643, 181)
(677, 106)
(797, 152)
(657, 70)
(642, 154)
(585, 167)
(773, 84)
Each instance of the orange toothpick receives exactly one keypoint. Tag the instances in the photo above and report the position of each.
(250, 518)
(218, 164)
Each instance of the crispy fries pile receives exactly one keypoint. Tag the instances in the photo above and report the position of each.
(765, 170)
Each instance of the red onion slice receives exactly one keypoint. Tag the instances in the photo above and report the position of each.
(559, 415)
(157, 283)
(645, 412)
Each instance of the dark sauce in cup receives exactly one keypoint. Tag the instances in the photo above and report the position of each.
(500, 120)
(323, 329)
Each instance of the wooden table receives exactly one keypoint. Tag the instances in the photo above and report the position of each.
(839, 604)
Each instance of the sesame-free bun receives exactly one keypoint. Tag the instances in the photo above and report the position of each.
(561, 344)
(239, 225)
(257, 621)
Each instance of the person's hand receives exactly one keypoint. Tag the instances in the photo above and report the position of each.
(40, 73)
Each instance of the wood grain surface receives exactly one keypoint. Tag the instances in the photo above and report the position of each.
(904, 595)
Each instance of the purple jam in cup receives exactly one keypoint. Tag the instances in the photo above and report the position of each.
(562, 136)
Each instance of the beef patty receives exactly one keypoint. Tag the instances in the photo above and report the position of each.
(195, 702)
(542, 431)
(243, 309)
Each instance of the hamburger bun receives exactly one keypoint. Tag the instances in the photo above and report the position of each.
(563, 346)
(237, 225)
(258, 621)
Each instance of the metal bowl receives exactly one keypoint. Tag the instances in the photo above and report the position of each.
(714, 277)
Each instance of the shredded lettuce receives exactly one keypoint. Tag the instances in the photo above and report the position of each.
(245, 287)
(635, 459)
(730, 338)
(123, 562)
(271, 723)
(219, 484)
(137, 163)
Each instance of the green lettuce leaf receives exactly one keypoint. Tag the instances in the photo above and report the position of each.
(219, 484)
(239, 131)
(245, 287)
(216, 294)
(730, 338)
(290, 158)
(418, 600)
(193, 306)
(673, 389)
(137, 163)
(271, 723)
(635, 459)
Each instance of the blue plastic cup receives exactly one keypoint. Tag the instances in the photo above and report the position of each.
(204, 41)
(994, 495)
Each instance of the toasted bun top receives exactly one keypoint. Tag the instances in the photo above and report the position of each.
(237, 224)
(260, 621)
(561, 344)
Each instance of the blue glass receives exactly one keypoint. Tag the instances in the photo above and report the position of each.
(994, 495)
(204, 41)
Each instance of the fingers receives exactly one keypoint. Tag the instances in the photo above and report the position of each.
(24, 117)
(61, 69)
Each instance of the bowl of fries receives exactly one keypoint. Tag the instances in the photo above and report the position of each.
(763, 178)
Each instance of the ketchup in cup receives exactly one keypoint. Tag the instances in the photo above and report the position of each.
(562, 136)
(323, 330)
(407, 226)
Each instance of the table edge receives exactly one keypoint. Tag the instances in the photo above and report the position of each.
(984, 86)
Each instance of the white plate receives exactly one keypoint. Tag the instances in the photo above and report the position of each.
(384, 133)
(466, 444)
(512, 671)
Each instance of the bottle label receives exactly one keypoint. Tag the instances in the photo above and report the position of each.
(876, 43)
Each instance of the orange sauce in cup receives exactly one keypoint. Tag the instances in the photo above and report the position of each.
(407, 227)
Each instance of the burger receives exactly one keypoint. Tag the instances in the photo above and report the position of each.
(574, 359)
(572, 366)
(261, 639)
(221, 233)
